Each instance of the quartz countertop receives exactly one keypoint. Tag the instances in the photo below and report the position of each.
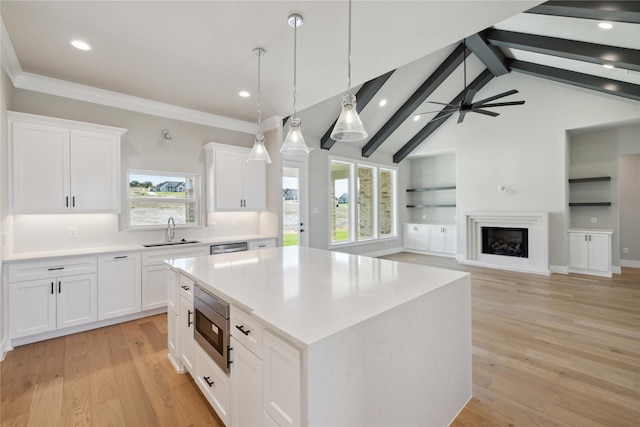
(309, 294)
(104, 249)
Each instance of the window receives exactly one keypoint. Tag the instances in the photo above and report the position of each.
(155, 196)
(363, 204)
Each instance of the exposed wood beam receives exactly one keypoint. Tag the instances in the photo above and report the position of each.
(616, 11)
(418, 97)
(491, 56)
(364, 95)
(619, 57)
(587, 81)
(477, 84)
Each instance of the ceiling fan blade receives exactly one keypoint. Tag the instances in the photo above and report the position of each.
(500, 104)
(441, 103)
(453, 110)
(461, 116)
(498, 96)
(485, 112)
(468, 97)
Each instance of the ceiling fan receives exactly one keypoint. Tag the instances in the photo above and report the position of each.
(467, 105)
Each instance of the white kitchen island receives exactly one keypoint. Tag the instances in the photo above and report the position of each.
(378, 342)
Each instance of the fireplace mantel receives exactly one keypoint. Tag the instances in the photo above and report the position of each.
(536, 222)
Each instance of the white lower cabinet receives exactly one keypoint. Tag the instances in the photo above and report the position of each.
(119, 285)
(246, 387)
(590, 252)
(45, 305)
(281, 387)
(185, 330)
(214, 384)
(434, 239)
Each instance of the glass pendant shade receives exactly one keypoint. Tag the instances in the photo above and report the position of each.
(259, 153)
(294, 142)
(349, 126)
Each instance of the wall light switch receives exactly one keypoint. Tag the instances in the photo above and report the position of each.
(594, 219)
(625, 251)
(314, 211)
(73, 232)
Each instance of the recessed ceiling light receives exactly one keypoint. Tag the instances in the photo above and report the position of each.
(416, 118)
(605, 25)
(608, 66)
(382, 102)
(79, 44)
(244, 94)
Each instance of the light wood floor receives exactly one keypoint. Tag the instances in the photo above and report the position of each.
(547, 351)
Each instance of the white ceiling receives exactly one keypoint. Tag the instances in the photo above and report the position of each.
(198, 55)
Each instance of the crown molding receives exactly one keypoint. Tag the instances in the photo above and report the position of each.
(43, 84)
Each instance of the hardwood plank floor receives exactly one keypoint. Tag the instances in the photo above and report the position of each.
(562, 350)
(113, 376)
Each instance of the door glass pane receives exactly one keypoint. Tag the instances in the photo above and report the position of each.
(386, 202)
(340, 205)
(290, 206)
(365, 202)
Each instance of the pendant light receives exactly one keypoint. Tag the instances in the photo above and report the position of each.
(259, 152)
(294, 142)
(349, 126)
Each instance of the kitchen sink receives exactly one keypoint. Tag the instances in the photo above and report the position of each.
(181, 242)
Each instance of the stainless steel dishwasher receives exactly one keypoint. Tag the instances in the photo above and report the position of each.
(225, 248)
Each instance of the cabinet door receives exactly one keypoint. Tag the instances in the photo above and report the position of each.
(599, 252)
(155, 287)
(185, 330)
(40, 168)
(228, 170)
(411, 236)
(254, 186)
(422, 238)
(172, 291)
(578, 251)
(246, 387)
(95, 172)
(436, 238)
(77, 300)
(281, 376)
(119, 285)
(173, 340)
(32, 307)
(450, 240)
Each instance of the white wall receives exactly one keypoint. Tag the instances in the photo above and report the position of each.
(5, 99)
(629, 199)
(525, 147)
(142, 148)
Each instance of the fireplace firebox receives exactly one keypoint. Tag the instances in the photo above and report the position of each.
(505, 241)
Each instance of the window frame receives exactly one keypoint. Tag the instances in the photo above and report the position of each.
(354, 220)
(196, 201)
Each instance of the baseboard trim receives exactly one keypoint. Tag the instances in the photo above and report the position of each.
(629, 263)
(559, 269)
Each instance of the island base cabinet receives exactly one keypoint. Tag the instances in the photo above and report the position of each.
(246, 387)
(185, 330)
(173, 341)
(281, 365)
(214, 384)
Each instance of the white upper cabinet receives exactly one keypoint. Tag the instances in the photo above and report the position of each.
(232, 183)
(63, 166)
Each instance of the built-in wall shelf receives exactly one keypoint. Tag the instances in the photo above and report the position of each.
(416, 190)
(431, 206)
(589, 203)
(593, 179)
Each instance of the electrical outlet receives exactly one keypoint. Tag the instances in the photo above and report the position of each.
(314, 211)
(234, 225)
(5, 238)
(625, 251)
(594, 219)
(73, 232)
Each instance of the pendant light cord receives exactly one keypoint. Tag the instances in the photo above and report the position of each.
(349, 57)
(259, 109)
(295, 34)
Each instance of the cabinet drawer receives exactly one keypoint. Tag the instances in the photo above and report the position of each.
(186, 287)
(247, 330)
(21, 272)
(157, 256)
(213, 383)
(262, 244)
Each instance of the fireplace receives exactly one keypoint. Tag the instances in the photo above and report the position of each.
(505, 241)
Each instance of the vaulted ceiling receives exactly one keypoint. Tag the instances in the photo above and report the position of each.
(189, 60)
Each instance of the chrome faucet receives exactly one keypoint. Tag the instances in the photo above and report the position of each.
(171, 229)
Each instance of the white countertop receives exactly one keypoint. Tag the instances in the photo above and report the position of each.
(309, 294)
(22, 256)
